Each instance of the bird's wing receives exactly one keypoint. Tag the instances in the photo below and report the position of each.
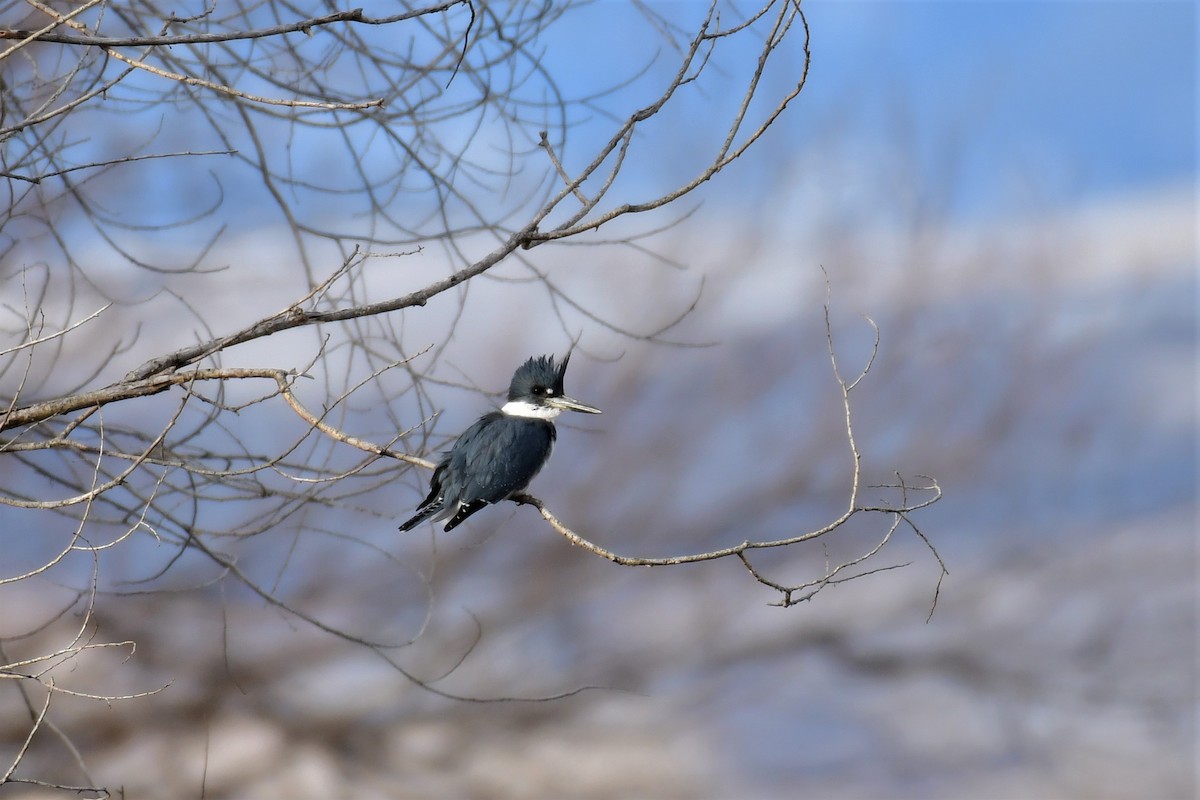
(451, 474)
(502, 457)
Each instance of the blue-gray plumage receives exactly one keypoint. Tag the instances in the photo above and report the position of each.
(502, 452)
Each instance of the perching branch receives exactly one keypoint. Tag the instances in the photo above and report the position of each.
(197, 436)
(929, 492)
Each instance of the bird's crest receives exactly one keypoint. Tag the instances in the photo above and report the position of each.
(540, 375)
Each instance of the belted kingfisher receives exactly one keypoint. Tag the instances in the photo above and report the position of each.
(502, 452)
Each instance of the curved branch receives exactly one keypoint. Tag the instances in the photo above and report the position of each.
(126, 390)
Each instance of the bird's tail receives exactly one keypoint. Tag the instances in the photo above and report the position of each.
(420, 517)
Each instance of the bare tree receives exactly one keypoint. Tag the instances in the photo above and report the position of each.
(394, 161)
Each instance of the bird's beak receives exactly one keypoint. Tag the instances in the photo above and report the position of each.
(571, 404)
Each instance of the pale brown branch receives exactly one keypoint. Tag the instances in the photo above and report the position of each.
(899, 513)
(300, 26)
(59, 19)
(191, 80)
(33, 729)
(319, 423)
(93, 40)
(110, 163)
(671, 561)
(125, 390)
(294, 316)
(580, 223)
(56, 334)
(544, 143)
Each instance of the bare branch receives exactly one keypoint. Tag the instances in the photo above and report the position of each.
(28, 37)
(441, 131)
(126, 390)
(930, 492)
(56, 334)
(37, 724)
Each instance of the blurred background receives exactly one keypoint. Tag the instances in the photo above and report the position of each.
(1007, 189)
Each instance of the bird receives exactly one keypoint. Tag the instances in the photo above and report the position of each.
(504, 449)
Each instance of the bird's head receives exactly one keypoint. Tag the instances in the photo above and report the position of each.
(537, 390)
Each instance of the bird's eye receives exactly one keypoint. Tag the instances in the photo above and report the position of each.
(539, 390)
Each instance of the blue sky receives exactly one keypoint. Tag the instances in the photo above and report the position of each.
(1070, 102)
(1085, 99)
(1096, 98)
(1111, 86)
